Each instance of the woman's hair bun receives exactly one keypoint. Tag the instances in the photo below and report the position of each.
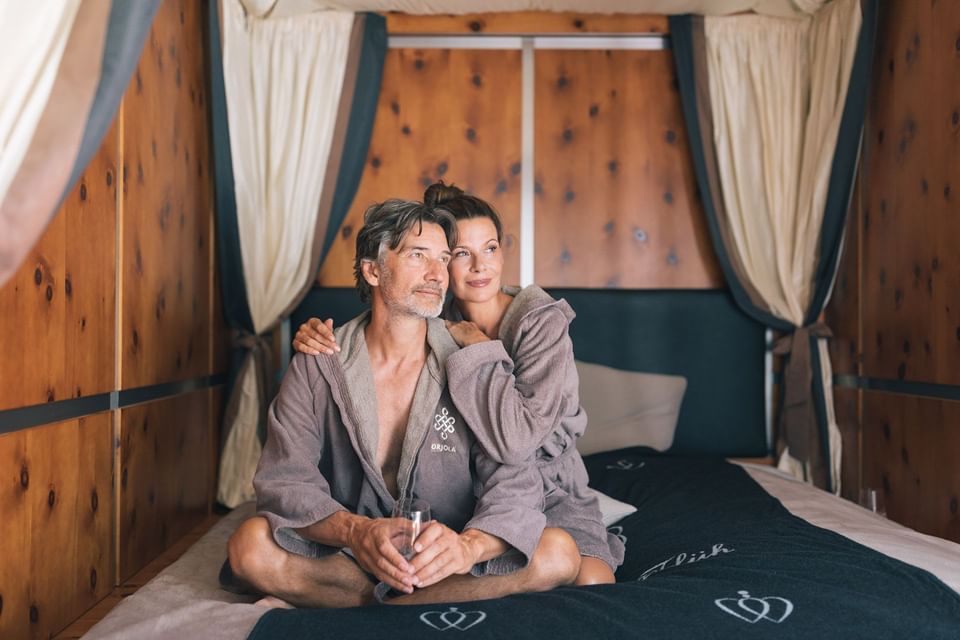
(438, 193)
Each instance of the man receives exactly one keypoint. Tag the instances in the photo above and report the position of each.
(351, 433)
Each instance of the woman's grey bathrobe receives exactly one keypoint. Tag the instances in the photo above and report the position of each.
(525, 386)
(319, 457)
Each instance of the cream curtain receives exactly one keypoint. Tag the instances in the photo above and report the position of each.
(778, 88)
(279, 8)
(283, 78)
(33, 36)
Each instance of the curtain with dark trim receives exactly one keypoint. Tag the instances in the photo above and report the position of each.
(807, 441)
(253, 211)
(66, 67)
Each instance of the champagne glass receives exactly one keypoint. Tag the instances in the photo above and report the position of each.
(872, 499)
(412, 515)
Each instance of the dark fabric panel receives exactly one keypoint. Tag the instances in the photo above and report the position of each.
(682, 35)
(127, 29)
(340, 304)
(701, 335)
(843, 170)
(236, 308)
(360, 129)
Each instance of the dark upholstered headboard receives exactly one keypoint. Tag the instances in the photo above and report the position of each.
(699, 334)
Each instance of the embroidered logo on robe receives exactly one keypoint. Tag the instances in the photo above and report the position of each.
(752, 610)
(452, 619)
(443, 422)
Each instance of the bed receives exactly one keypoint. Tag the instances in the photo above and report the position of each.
(715, 549)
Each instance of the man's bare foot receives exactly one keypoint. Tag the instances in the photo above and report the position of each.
(271, 602)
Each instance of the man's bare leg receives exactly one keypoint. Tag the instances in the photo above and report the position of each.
(555, 563)
(333, 581)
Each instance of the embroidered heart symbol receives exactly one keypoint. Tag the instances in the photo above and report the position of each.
(787, 609)
(757, 615)
(452, 619)
(756, 609)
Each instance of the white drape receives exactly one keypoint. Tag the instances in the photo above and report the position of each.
(282, 78)
(777, 88)
(277, 8)
(34, 36)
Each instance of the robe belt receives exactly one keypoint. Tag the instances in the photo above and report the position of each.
(798, 419)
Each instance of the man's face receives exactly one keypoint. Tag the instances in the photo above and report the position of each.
(413, 277)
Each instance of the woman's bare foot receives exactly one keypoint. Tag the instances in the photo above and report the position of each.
(271, 602)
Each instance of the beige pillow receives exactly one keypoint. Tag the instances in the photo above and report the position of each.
(612, 510)
(627, 408)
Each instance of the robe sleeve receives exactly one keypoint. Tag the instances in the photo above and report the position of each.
(512, 405)
(510, 507)
(291, 491)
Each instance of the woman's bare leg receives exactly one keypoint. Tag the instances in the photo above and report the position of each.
(593, 571)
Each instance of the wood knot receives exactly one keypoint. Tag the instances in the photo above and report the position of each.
(94, 501)
(34, 614)
(24, 477)
(51, 498)
(93, 579)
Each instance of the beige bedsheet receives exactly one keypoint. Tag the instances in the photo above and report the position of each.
(938, 556)
(185, 602)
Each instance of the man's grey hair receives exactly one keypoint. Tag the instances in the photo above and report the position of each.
(384, 226)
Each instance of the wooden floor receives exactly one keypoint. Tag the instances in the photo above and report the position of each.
(102, 608)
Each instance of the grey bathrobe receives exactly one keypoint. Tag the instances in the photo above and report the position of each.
(319, 457)
(525, 386)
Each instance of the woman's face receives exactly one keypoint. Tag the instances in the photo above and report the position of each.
(477, 261)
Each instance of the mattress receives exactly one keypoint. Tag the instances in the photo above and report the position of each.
(715, 549)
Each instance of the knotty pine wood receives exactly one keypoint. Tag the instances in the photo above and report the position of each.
(450, 114)
(616, 202)
(526, 22)
(164, 472)
(909, 453)
(911, 267)
(56, 524)
(57, 325)
(167, 204)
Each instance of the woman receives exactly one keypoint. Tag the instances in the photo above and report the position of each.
(515, 369)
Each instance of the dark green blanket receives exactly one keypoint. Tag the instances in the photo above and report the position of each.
(709, 555)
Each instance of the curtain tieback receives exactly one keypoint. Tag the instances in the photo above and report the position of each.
(799, 430)
(262, 351)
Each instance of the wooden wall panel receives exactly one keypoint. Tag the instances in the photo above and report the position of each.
(165, 462)
(167, 204)
(56, 517)
(846, 403)
(451, 114)
(911, 269)
(57, 325)
(615, 191)
(910, 448)
(527, 22)
(843, 312)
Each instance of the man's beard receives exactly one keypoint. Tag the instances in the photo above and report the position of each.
(410, 303)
